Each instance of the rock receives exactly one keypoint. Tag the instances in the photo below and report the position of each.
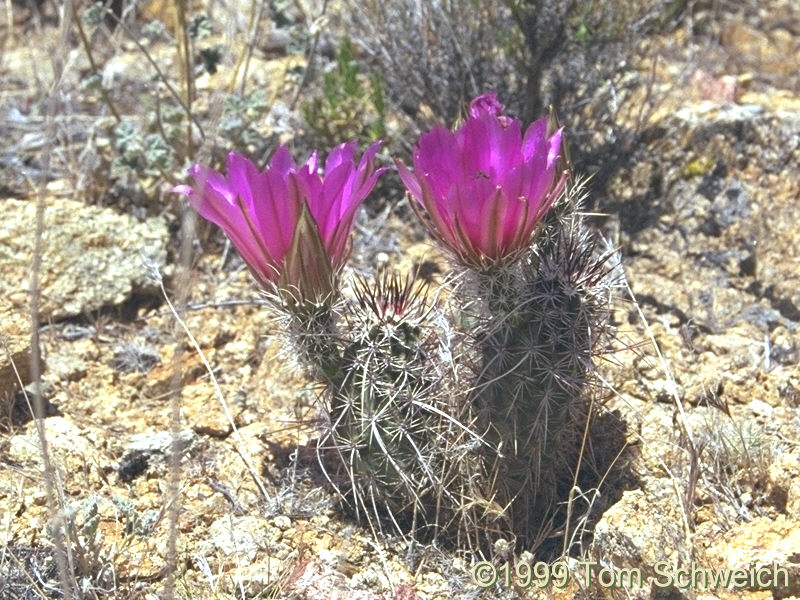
(241, 537)
(253, 580)
(63, 438)
(708, 219)
(66, 366)
(720, 89)
(642, 531)
(159, 442)
(783, 484)
(762, 544)
(247, 554)
(314, 581)
(277, 41)
(15, 350)
(282, 522)
(772, 52)
(92, 256)
(200, 404)
(145, 448)
(729, 226)
(760, 408)
(69, 449)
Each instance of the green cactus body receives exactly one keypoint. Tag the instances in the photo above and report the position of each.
(377, 421)
(388, 423)
(465, 422)
(534, 388)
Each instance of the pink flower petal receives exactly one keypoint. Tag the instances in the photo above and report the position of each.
(282, 162)
(241, 173)
(409, 180)
(368, 158)
(475, 149)
(553, 148)
(486, 104)
(485, 186)
(505, 143)
(534, 142)
(438, 159)
(343, 153)
(334, 199)
(492, 218)
(261, 211)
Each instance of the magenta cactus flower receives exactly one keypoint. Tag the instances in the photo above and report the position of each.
(485, 187)
(290, 224)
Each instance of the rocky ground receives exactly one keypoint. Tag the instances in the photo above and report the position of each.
(704, 214)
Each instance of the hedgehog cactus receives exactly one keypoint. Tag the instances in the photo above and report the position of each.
(397, 436)
(535, 386)
(467, 421)
(540, 308)
(378, 420)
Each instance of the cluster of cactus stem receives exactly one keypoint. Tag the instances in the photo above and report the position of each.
(461, 414)
(542, 323)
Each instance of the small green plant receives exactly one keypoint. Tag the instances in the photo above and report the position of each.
(165, 133)
(240, 116)
(81, 522)
(91, 558)
(141, 153)
(352, 104)
(137, 524)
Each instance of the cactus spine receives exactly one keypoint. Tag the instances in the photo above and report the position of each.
(398, 438)
(544, 319)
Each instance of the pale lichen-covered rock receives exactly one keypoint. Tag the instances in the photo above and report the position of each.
(69, 450)
(92, 256)
(641, 532)
(15, 338)
(246, 553)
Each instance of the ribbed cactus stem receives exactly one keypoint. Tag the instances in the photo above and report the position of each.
(543, 318)
(498, 287)
(385, 418)
(315, 340)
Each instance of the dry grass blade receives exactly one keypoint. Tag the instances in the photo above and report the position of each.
(688, 498)
(223, 404)
(53, 487)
